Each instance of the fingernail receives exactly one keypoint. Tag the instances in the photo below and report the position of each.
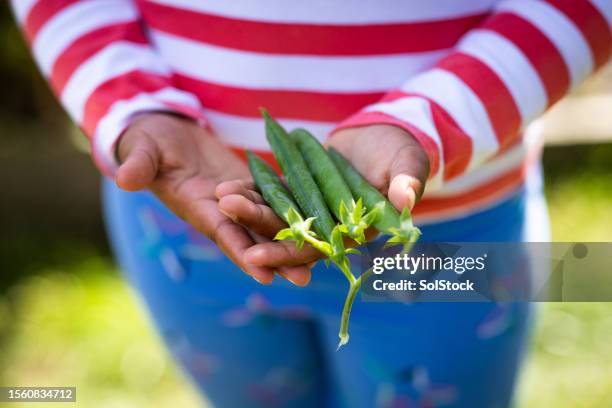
(411, 197)
(229, 215)
(291, 280)
(286, 277)
(260, 281)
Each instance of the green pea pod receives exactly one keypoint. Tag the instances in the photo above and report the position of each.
(336, 192)
(330, 182)
(279, 199)
(300, 181)
(271, 187)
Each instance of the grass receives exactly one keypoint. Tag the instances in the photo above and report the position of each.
(570, 363)
(78, 324)
(81, 327)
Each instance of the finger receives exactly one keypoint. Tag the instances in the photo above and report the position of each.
(140, 165)
(408, 174)
(257, 217)
(285, 253)
(298, 275)
(204, 215)
(242, 187)
(234, 241)
(281, 253)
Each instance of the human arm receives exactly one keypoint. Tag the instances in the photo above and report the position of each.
(115, 86)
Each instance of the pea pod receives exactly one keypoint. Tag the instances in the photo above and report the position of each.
(271, 187)
(278, 197)
(302, 185)
(323, 169)
(318, 179)
(335, 191)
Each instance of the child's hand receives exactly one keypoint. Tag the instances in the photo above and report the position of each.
(389, 157)
(182, 163)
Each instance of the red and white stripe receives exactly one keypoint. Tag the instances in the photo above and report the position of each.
(498, 78)
(464, 77)
(101, 65)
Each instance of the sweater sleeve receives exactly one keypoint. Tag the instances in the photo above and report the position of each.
(501, 75)
(101, 67)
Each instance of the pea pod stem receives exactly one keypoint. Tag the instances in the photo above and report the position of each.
(354, 287)
(346, 312)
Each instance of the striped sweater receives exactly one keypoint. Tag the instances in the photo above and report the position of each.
(464, 77)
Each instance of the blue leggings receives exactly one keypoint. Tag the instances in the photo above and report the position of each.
(248, 345)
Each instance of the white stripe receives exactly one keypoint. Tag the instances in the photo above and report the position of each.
(560, 30)
(463, 105)
(249, 133)
(511, 66)
(73, 22)
(337, 11)
(417, 112)
(22, 8)
(119, 115)
(270, 71)
(605, 8)
(114, 60)
(510, 160)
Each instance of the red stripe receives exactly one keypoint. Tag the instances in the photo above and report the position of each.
(42, 12)
(305, 105)
(312, 39)
(492, 92)
(591, 24)
(474, 197)
(119, 88)
(88, 45)
(456, 145)
(539, 50)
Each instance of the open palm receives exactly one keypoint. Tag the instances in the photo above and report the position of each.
(182, 164)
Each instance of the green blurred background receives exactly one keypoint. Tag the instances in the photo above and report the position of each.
(67, 318)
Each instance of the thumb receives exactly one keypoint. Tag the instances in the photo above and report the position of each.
(140, 163)
(408, 174)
